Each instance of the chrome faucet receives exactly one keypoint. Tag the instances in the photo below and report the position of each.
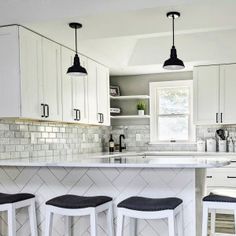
(120, 143)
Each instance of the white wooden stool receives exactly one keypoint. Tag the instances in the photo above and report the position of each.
(11, 202)
(73, 205)
(220, 199)
(150, 208)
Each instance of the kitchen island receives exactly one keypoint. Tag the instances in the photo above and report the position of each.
(149, 174)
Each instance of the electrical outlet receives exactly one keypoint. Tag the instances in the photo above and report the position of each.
(138, 137)
(96, 138)
(84, 137)
(33, 138)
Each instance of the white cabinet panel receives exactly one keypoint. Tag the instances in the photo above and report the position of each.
(227, 93)
(103, 94)
(80, 94)
(92, 92)
(31, 74)
(52, 80)
(206, 94)
(9, 72)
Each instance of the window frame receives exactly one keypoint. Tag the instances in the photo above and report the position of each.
(154, 113)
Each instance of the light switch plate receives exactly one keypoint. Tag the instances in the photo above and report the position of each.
(138, 137)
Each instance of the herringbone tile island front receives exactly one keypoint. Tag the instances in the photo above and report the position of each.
(118, 183)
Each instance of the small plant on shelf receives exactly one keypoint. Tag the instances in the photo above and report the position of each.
(141, 107)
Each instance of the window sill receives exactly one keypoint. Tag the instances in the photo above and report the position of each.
(172, 143)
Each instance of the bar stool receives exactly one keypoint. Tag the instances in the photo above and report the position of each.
(73, 205)
(219, 199)
(11, 202)
(150, 208)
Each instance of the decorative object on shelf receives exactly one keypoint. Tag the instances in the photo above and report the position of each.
(141, 108)
(114, 90)
(76, 69)
(114, 110)
(173, 63)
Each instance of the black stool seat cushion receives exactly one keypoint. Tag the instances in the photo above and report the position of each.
(76, 202)
(150, 204)
(6, 198)
(218, 198)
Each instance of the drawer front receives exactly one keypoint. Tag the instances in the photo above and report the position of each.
(223, 177)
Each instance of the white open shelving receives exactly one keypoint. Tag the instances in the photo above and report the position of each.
(131, 117)
(130, 97)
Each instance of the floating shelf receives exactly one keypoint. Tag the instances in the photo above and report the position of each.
(130, 97)
(131, 117)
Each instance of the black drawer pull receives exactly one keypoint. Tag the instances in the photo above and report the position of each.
(209, 177)
(231, 177)
(43, 107)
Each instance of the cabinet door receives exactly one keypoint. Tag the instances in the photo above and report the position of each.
(67, 85)
(52, 80)
(103, 94)
(227, 93)
(31, 74)
(92, 92)
(206, 94)
(80, 99)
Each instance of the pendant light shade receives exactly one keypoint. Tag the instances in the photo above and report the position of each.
(76, 69)
(173, 63)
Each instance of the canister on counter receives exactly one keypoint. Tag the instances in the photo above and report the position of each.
(211, 145)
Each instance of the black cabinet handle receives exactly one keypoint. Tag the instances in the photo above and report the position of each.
(75, 114)
(231, 177)
(43, 106)
(209, 177)
(78, 114)
(221, 117)
(217, 120)
(100, 118)
(47, 106)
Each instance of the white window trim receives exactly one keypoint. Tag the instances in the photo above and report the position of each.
(153, 86)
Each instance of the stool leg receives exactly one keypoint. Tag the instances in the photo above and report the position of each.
(181, 222)
(11, 215)
(48, 223)
(235, 221)
(120, 223)
(213, 222)
(110, 223)
(93, 223)
(204, 220)
(32, 218)
(68, 225)
(133, 226)
(171, 224)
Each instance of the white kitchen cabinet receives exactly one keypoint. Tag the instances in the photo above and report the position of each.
(34, 83)
(214, 94)
(206, 80)
(52, 80)
(74, 90)
(227, 93)
(98, 94)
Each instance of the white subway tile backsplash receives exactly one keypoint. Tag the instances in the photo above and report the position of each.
(20, 138)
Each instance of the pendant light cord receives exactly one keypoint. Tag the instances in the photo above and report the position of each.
(76, 50)
(173, 28)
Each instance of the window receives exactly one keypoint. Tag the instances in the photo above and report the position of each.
(171, 111)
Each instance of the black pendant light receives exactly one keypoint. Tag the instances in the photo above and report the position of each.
(76, 69)
(173, 63)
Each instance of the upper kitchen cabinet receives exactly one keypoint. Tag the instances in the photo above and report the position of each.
(214, 94)
(228, 93)
(206, 80)
(74, 90)
(98, 94)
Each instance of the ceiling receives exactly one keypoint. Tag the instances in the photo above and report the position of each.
(134, 36)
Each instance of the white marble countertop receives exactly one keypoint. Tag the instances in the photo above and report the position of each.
(130, 160)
